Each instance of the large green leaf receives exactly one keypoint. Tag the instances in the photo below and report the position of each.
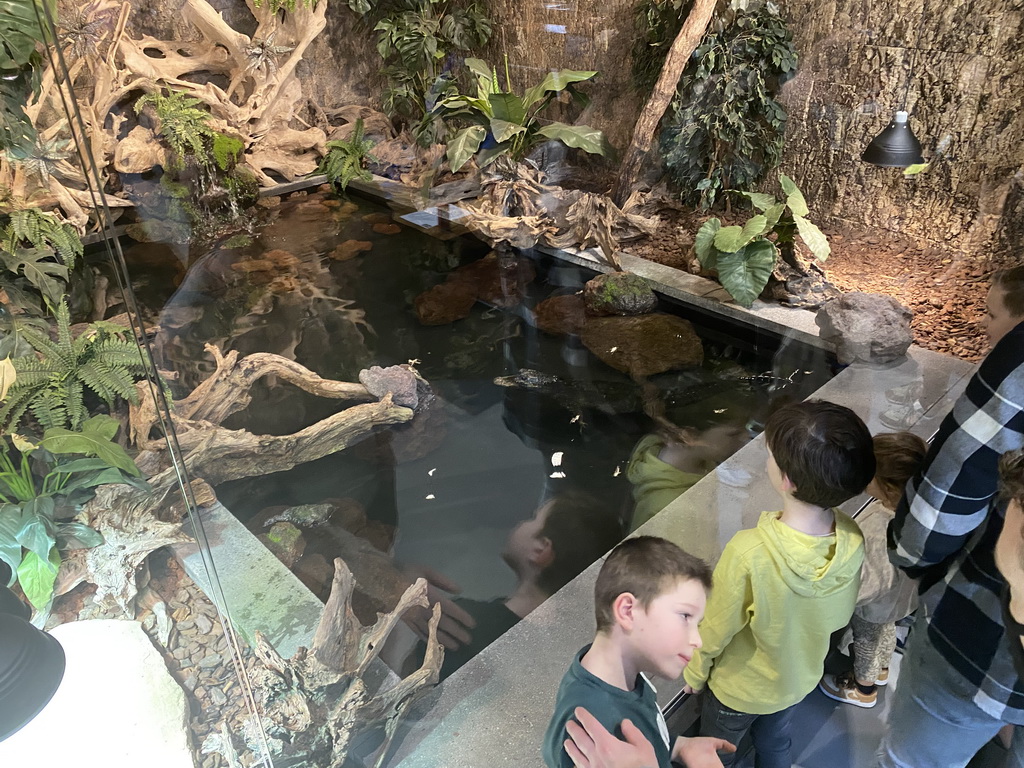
(760, 200)
(95, 439)
(37, 575)
(484, 76)
(773, 214)
(77, 536)
(730, 239)
(813, 238)
(507, 106)
(10, 523)
(502, 130)
(35, 264)
(704, 243)
(794, 197)
(555, 81)
(464, 145)
(580, 136)
(745, 273)
(37, 533)
(19, 31)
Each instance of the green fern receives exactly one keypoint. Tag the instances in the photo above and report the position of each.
(185, 127)
(52, 383)
(43, 230)
(344, 160)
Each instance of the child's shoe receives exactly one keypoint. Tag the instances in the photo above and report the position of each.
(844, 688)
(883, 676)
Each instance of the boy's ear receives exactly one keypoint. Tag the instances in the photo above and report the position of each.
(624, 610)
(788, 485)
(542, 553)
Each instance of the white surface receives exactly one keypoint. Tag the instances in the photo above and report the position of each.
(117, 707)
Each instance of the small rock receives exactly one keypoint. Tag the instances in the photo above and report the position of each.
(285, 541)
(350, 249)
(397, 380)
(561, 315)
(618, 293)
(866, 326)
(444, 303)
(203, 624)
(643, 345)
(211, 660)
(191, 681)
(386, 228)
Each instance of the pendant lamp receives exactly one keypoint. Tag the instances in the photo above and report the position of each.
(894, 147)
(31, 668)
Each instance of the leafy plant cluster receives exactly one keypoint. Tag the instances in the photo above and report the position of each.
(744, 256)
(186, 129)
(52, 384)
(345, 159)
(422, 43)
(656, 24)
(42, 486)
(20, 31)
(38, 251)
(726, 130)
(503, 123)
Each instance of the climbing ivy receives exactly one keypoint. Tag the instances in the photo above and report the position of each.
(726, 129)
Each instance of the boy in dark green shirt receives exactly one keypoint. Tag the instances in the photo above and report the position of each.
(649, 598)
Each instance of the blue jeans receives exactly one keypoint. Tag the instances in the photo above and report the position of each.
(770, 733)
(933, 722)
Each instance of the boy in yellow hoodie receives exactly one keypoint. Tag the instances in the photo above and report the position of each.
(781, 589)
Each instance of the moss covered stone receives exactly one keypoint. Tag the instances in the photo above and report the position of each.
(619, 293)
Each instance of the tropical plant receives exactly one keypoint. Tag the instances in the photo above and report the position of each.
(727, 127)
(344, 159)
(39, 251)
(52, 383)
(421, 42)
(41, 491)
(656, 24)
(20, 32)
(744, 256)
(506, 124)
(186, 128)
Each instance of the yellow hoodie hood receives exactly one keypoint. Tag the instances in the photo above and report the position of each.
(813, 565)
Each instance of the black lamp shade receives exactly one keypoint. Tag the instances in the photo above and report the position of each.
(31, 668)
(894, 147)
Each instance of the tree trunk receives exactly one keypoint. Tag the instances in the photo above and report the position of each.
(643, 134)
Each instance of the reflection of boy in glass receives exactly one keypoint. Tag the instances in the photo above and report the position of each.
(670, 461)
(564, 536)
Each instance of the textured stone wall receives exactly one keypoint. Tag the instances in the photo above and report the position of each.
(966, 90)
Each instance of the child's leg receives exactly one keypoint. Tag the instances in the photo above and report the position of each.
(772, 745)
(869, 647)
(722, 722)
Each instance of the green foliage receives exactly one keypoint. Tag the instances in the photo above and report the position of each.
(20, 32)
(727, 127)
(52, 384)
(421, 42)
(656, 24)
(33, 227)
(743, 254)
(513, 121)
(41, 490)
(186, 128)
(344, 159)
(276, 6)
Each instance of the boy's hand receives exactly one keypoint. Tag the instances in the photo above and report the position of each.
(691, 690)
(700, 752)
(453, 629)
(590, 745)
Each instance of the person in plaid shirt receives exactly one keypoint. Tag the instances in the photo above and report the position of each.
(958, 685)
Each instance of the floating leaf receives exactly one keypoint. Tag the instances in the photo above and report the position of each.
(916, 168)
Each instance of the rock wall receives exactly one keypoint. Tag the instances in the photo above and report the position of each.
(964, 66)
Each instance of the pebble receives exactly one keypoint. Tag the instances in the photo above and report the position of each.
(218, 696)
(191, 681)
(203, 624)
(213, 660)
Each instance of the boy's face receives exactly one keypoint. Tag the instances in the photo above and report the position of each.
(525, 540)
(1010, 553)
(998, 321)
(664, 635)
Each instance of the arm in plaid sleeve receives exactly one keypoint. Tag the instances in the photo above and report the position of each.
(944, 505)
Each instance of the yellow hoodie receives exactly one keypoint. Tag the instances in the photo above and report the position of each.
(778, 595)
(656, 484)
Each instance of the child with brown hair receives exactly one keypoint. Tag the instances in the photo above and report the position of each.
(886, 593)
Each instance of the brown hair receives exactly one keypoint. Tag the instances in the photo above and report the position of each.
(1011, 476)
(1011, 282)
(580, 529)
(645, 567)
(898, 457)
(823, 448)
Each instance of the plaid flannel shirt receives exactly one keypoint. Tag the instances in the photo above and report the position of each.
(948, 521)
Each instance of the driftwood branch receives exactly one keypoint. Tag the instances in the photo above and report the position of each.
(301, 694)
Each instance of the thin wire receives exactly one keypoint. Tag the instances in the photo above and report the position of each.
(911, 55)
(113, 247)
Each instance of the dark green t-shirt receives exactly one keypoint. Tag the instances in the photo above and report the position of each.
(610, 705)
